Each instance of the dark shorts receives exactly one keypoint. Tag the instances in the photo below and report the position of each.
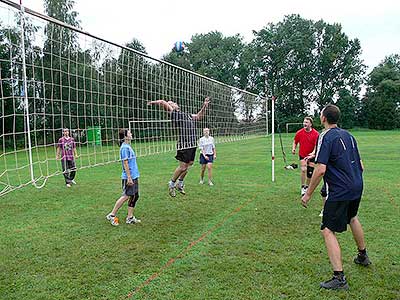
(186, 155)
(130, 190)
(323, 190)
(203, 161)
(310, 160)
(337, 214)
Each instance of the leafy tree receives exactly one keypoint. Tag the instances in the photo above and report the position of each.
(62, 10)
(306, 63)
(137, 45)
(347, 104)
(285, 52)
(337, 61)
(211, 55)
(382, 100)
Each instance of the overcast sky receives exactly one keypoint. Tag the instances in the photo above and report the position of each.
(158, 24)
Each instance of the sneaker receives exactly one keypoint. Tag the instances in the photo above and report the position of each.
(68, 185)
(201, 181)
(132, 220)
(362, 260)
(335, 283)
(73, 181)
(321, 214)
(304, 190)
(113, 219)
(180, 187)
(210, 183)
(171, 188)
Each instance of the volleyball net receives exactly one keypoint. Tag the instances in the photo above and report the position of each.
(55, 76)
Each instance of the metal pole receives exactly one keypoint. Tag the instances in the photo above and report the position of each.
(25, 95)
(266, 113)
(273, 137)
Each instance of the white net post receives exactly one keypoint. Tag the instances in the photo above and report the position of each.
(273, 139)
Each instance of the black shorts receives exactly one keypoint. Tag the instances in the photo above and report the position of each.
(186, 155)
(130, 190)
(337, 214)
(323, 190)
(310, 160)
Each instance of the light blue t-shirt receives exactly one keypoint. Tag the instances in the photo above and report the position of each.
(127, 153)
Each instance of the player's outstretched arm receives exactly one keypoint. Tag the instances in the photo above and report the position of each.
(202, 111)
(164, 104)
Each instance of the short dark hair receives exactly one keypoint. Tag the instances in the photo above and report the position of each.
(122, 134)
(332, 113)
(309, 119)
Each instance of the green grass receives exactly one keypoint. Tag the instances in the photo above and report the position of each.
(244, 238)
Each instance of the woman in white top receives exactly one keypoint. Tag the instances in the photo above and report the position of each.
(207, 155)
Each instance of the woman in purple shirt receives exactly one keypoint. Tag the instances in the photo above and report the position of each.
(66, 151)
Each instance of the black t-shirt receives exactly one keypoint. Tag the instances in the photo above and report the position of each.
(186, 127)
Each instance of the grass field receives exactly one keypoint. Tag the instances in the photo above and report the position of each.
(244, 238)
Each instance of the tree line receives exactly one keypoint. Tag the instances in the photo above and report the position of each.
(305, 64)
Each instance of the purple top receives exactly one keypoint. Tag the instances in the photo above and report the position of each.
(67, 147)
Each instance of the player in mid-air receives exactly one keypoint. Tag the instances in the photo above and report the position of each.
(187, 140)
(130, 183)
(307, 138)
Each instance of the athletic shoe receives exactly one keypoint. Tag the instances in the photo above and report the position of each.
(180, 187)
(321, 214)
(73, 181)
(68, 185)
(362, 260)
(304, 190)
(335, 283)
(201, 181)
(113, 219)
(210, 183)
(132, 220)
(171, 188)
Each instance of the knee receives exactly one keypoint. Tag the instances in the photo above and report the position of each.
(183, 167)
(354, 220)
(326, 232)
(310, 171)
(133, 199)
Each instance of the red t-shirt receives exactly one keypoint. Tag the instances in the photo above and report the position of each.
(307, 141)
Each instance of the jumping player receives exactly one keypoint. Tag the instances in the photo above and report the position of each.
(187, 140)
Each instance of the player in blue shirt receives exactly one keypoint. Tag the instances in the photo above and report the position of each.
(339, 163)
(130, 183)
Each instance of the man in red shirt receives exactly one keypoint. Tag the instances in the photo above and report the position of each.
(307, 138)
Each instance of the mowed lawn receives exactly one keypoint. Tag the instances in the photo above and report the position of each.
(244, 238)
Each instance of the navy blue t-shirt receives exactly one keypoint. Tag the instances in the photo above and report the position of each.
(337, 149)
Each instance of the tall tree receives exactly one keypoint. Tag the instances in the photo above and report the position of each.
(307, 63)
(285, 50)
(212, 55)
(347, 104)
(382, 100)
(338, 64)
